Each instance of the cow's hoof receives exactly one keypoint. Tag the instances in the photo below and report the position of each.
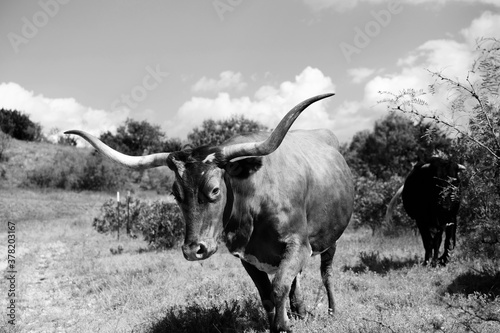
(283, 329)
(443, 261)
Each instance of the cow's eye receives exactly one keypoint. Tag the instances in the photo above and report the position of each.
(215, 191)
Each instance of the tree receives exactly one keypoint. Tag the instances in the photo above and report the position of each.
(173, 144)
(19, 126)
(214, 132)
(395, 143)
(135, 138)
(474, 118)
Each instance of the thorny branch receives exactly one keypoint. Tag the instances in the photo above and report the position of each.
(443, 122)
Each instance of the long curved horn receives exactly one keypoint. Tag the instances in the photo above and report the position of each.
(250, 149)
(392, 203)
(134, 162)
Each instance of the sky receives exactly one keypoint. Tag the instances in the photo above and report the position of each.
(90, 65)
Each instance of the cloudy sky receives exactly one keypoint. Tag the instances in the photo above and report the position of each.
(92, 64)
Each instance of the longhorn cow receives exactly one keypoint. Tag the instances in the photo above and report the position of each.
(274, 199)
(431, 196)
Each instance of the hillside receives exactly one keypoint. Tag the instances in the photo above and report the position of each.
(23, 158)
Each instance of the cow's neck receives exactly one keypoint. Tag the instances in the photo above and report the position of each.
(238, 219)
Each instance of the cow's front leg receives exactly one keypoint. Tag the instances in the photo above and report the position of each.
(327, 276)
(294, 259)
(297, 306)
(426, 240)
(261, 281)
(437, 237)
(449, 242)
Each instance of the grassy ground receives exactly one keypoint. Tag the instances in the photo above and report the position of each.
(68, 280)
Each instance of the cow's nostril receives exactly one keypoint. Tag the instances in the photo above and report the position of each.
(202, 250)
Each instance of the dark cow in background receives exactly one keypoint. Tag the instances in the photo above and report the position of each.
(431, 196)
(276, 199)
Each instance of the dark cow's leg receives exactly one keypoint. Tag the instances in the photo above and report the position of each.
(261, 280)
(426, 240)
(327, 275)
(437, 237)
(449, 242)
(295, 258)
(297, 305)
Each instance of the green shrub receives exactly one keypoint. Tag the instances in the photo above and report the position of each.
(372, 198)
(64, 172)
(101, 174)
(5, 141)
(72, 170)
(160, 223)
(157, 179)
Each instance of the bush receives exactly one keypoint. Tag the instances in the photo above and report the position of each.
(372, 198)
(5, 141)
(157, 179)
(71, 170)
(161, 225)
(159, 222)
(101, 174)
(64, 172)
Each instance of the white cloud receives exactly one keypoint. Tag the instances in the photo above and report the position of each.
(344, 5)
(61, 113)
(228, 80)
(360, 74)
(487, 25)
(449, 57)
(268, 105)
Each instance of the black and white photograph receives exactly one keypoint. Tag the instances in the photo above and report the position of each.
(229, 166)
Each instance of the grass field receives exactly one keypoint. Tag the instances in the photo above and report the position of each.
(68, 280)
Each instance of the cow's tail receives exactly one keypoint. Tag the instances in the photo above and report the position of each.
(390, 207)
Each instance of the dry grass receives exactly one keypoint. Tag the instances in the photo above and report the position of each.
(69, 281)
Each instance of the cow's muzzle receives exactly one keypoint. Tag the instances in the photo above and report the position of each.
(199, 250)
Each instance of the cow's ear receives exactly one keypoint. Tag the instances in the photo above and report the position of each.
(176, 165)
(243, 168)
(233, 169)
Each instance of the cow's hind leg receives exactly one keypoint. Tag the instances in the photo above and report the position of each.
(327, 275)
(297, 306)
(261, 281)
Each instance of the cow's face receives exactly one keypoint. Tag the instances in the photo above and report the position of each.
(445, 172)
(201, 193)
